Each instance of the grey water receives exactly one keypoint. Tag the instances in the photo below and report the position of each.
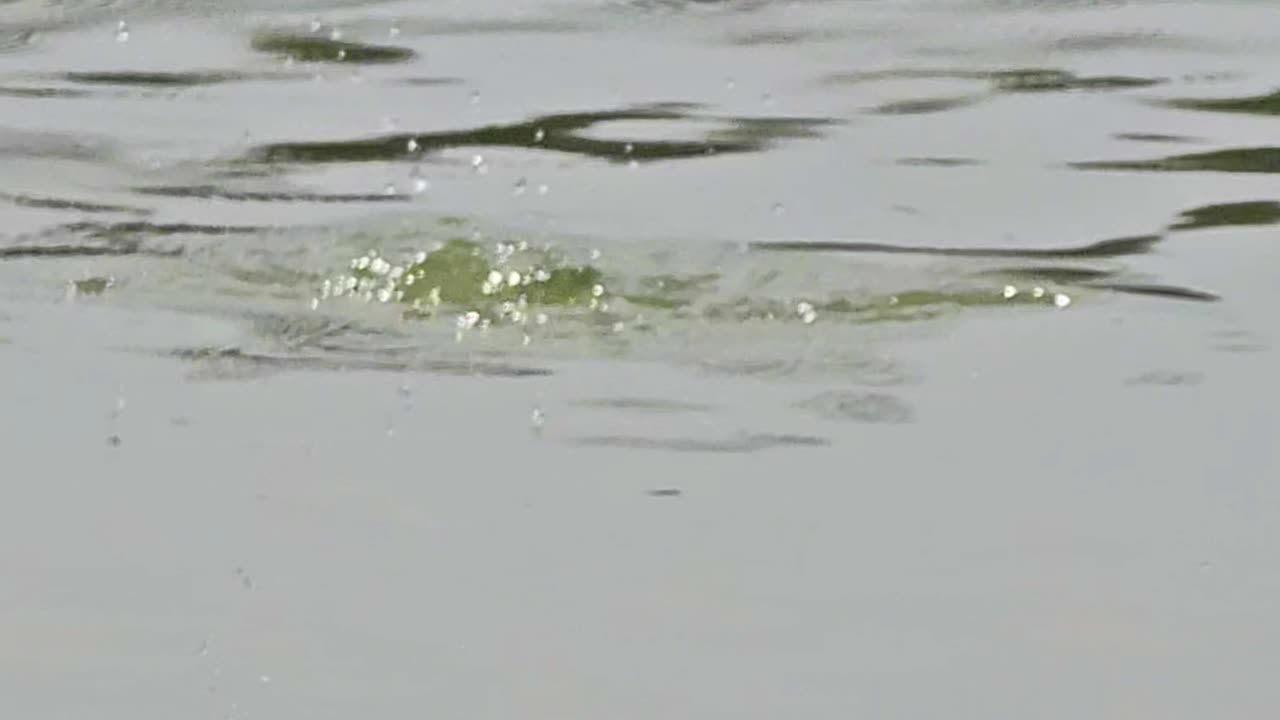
(639, 358)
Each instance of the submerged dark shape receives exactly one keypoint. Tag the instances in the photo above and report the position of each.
(1116, 247)
(558, 132)
(1261, 212)
(948, 162)
(317, 48)
(1151, 137)
(1253, 105)
(43, 93)
(1232, 160)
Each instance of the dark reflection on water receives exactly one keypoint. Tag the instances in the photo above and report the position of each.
(316, 48)
(856, 406)
(939, 162)
(641, 404)
(127, 229)
(560, 133)
(43, 93)
(1061, 275)
(125, 247)
(1155, 137)
(1116, 247)
(162, 79)
(1169, 292)
(1262, 212)
(1233, 160)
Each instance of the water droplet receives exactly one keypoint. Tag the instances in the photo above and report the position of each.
(335, 34)
(730, 83)
(315, 303)
(543, 189)
(778, 209)
(316, 25)
(767, 99)
(632, 164)
(390, 189)
(537, 419)
(595, 254)
(539, 135)
(122, 31)
(393, 31)
(420, 183)
(478, 164)
(1206, 566)
(806, 312)
(628, 149)
(390, 123)
(1061, 300)
(475, 97)
(618, 327)
(597, 290)
(1010, 292)
(265, 678)
(520, 186)
(1037, 292)
(411, 146)
(113, 440)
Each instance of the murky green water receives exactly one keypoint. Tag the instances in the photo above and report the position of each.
(639, 358)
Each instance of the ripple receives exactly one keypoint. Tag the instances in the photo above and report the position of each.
(210, 192)
(316, 48)
(559, 133)
(743, 443)
(1268, 104)
(65, 204)
(163, 79)
(1233, 160)
(923, 106)
(646, 405)
(230, 363)
(1116, 247)
(1260, 212)
(1018, 80)
(863, 407)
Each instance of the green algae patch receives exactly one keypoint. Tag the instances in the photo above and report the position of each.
(502, 285)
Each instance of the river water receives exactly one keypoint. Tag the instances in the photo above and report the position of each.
(639, 358)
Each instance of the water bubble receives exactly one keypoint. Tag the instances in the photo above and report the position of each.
(390, 189)
(520, 186)
(1010, 292)
(541, 319)
(478, 164)
(539, 135)
(618, 327)
(594, 254)
(628, 149)
(122, 32)
(316, 25)
(411, 146)
(597, 290)
(1037, 292)
(315, 303)
(1061, 300)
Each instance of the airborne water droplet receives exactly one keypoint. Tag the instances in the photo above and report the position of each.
(539, 135)
(122, 31)
(778, 209)
(475, 97)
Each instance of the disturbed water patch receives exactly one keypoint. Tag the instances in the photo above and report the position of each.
(740, 443)
(862, 407)
(328, 49)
